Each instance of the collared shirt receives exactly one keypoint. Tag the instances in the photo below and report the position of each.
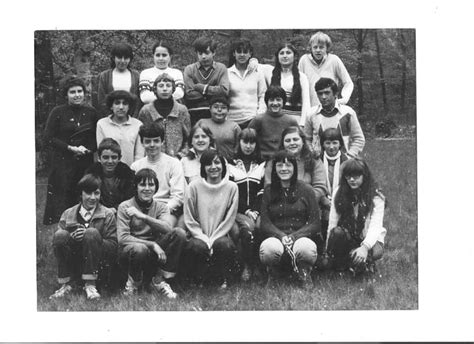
(86, 214)
(126, 134)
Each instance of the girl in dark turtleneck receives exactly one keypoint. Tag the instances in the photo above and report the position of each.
(70, 132)
(247, 170)
(173, 116)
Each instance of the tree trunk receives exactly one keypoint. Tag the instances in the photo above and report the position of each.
(359, 36)
(82, 64)
(44, 76)
(403, 45)
(382, 79)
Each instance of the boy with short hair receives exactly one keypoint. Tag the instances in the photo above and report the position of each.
(331, 114)
(165, 109)
(85, 243)
(204, 79)
(168, 170)
(116, 176)
(271, 124)
(225, 132)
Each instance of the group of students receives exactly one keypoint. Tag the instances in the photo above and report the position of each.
(247, 173)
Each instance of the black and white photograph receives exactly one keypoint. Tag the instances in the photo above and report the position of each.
(237, 172)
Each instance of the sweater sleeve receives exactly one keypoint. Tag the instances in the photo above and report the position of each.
(223, 84)
(230, 215)
(102, 93)
(109, 234)
(318, 179)
(189, 85)
(261, 89)
(176, 185)
(375, 230)
(357, 138)
(312, 225)
(267, 227)
(124, 235)
(186, 128)
(191, 216)
(305, 103)
(333, 218)
(100, 135)
(145, 88)
(139, 151)
(179, 82)
(347, 84)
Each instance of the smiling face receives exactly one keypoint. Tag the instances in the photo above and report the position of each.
(286, 57)
(120, 108)
(109, 161)
(205, 58)
(354, 180)
(247, 147)
(121, 62)
(275, 105)
(293, 143)
(331, 147)
(90, 200)
(242, 57)
(146, 189)
(161, 58)
(75, 95)
(219, 112)
(327, 98)
(319, 50)
(200, 141)
(214, 171)
(164, 89)
(284, 170)
(153, 146)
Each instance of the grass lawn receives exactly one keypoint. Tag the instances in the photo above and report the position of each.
(395, 285)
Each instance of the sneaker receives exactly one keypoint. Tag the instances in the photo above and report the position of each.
(131, 287)
(165, 289)
(224, 285)
(61, 292)
(304, 278)
(91, 292)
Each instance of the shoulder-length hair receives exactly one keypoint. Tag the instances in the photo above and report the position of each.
(241, 44)
(306, 153)
(143, 175)
(276, 190)
(331, 134)
(121, 50)
(276, 74)
(206, 159)
(345, 196)
(249, 135)
(192, 155)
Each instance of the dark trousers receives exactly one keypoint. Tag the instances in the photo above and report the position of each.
(142, 263)
(196, 115)
(201, 261)
(243, 236)
(89, 259)
(340, 245)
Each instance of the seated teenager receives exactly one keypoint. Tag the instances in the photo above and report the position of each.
(247, 170)
(209, 214)
(168, 170)
(355, 233)
(117, 177)
(204, 79)
(271, 124)
(331, 142)
(149, 247)
(121, 126)
(85, 243)
(200, 139)
(290, 222)
(225, 132)
(172, 115)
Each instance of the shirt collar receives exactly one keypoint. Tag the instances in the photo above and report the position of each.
(234, 70)
(314, 61)
(337, 108)
(127, 122)
(83, 211)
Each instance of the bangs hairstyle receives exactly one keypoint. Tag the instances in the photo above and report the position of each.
(110, 144)
(219, 99)
(275, 188)
(89, 183)
(323, 83)
(331, 134)
(275, 92)
(306, 154)
(152, 129)
(124, 95)
(120, 50)
(320, 37)
(191, 155)
(239, 45)
(72, 81)
(201, 44)
(163, 45)
(206, 159)
(249, 135)
(143, 175)
(276, 74)
(164, 77)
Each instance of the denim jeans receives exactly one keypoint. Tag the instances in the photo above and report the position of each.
(272, 251)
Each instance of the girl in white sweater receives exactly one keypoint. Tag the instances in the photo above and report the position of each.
(355, 232)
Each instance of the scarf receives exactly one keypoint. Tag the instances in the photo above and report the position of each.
(335, 177)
